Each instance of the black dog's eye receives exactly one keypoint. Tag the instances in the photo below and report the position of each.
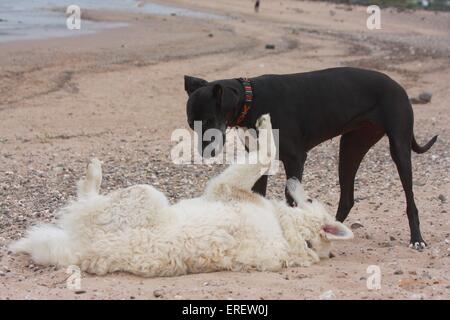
(308, 243)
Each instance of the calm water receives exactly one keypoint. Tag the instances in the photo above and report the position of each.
(33, 19)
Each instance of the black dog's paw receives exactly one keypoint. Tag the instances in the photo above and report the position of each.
(418, 245)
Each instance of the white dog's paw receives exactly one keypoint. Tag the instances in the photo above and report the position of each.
(94, 170)
(263, 123)
(96, 163)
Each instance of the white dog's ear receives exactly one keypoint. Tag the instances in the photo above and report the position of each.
(337, 231)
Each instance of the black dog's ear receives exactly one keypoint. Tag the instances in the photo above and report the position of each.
(218, 92)
(227, 99)
(191, 84)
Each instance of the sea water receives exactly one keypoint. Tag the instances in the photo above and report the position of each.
(37, 19)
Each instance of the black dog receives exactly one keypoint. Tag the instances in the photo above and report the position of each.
(310, 108)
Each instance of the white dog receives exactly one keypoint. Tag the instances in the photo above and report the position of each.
(228, 228)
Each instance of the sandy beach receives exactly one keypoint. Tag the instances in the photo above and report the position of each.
(118, 94)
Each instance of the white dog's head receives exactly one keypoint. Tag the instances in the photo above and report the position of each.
(317, 226)
(327, 231)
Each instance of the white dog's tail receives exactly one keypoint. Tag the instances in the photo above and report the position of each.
(91, 184)
(47, 245)
(50, 244)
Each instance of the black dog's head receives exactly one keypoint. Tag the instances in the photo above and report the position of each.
(210, 103)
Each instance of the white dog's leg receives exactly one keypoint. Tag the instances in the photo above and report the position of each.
(295, 189)
(91, 184)
(244, 176)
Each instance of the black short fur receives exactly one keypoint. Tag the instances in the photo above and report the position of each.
(310, 108)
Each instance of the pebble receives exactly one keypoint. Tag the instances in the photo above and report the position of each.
(158, 293)
(356, 225)
(386, 245)
(442, 198)
(425, 96)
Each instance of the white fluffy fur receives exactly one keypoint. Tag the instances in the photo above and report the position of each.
(227, 228)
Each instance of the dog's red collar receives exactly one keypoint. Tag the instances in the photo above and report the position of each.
(248, 92)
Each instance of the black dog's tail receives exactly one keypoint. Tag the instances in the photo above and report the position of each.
(421, 149)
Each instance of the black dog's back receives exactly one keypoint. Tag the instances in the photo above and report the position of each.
(326, 103)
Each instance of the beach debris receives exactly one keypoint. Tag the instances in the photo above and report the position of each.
(158, 293)
(424, 97)
(270, 46)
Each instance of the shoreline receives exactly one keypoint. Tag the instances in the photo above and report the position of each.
(98, 19)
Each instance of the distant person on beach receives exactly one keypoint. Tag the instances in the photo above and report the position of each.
(257, 6)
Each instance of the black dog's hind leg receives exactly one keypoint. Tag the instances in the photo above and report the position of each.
(294, 168)
(353, 147)
(401, 154)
